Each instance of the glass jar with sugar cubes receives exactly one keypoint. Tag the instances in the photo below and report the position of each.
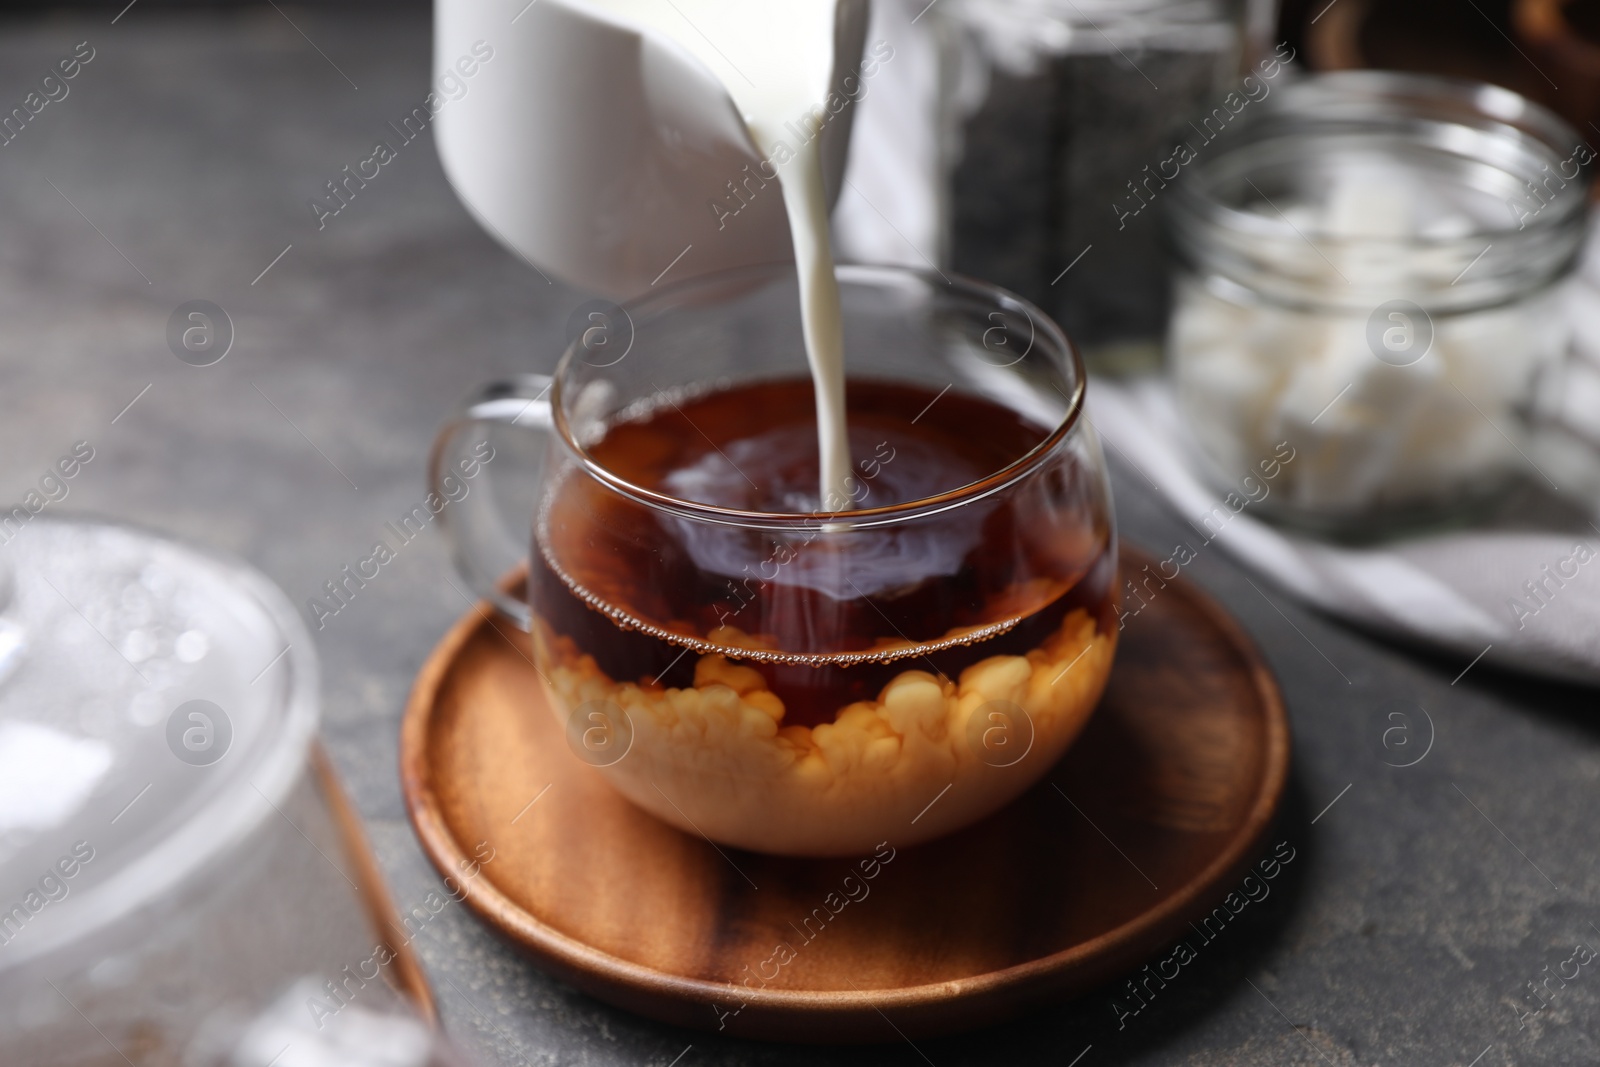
(1372, 270)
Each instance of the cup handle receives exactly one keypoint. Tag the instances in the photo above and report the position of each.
(484, 544)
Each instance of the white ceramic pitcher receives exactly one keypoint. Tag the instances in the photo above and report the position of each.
(596, 148)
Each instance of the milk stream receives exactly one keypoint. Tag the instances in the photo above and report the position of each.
(776, 59)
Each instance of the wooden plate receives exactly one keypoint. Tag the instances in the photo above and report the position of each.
(1149, 820)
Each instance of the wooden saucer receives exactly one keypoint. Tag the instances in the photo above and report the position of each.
(1150, 819)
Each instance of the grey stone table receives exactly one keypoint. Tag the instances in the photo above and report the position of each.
(1421, 902)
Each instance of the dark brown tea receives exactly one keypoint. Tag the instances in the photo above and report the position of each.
(826, 617)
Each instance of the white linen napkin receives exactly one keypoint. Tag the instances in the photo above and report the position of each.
(1457, 591)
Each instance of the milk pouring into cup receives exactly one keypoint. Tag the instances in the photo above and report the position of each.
(728, 659)
(598, 151)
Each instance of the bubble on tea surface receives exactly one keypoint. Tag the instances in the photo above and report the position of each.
(599, 732)
(776, 471)
(1000, 733)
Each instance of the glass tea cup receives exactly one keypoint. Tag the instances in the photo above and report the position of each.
(747, 661)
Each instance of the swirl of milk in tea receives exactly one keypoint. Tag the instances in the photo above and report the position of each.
(776, 60)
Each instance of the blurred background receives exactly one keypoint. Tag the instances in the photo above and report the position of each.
(179, 166)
